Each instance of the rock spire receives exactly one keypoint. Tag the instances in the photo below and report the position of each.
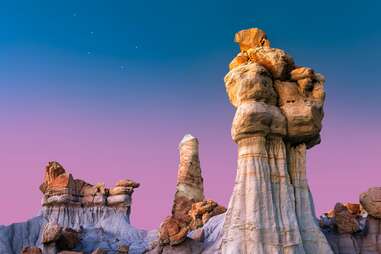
(279, 108)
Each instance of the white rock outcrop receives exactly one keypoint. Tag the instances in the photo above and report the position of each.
(271, 209)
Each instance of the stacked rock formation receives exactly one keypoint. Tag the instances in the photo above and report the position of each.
(355, 228)
(279, 113)
(189, 210)
(81, 202)
(77, 216)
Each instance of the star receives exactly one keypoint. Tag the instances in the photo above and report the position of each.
(74, 14)
(92, 33)
(122, 67)
(89, 52)
(136, 46)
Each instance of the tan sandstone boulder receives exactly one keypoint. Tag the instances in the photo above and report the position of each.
(250, 82)
(371, 201)
(346, 222)
(173, 231)
(251, 38)
(201, 212)
(240, 59)
(304, 114)
(127, 183)
(277, 61)
(301, 73)
(52, 232)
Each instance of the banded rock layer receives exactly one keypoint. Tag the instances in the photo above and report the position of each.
(279, 114)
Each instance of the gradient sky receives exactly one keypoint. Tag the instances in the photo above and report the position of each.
(108, 88)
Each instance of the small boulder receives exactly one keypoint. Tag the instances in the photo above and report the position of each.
(99, 251)
(302, 73)
(123, 249)
(69, 239)
(31, 250)
(251, 38)
(345, 221)
(201, 212)
(240, 59)
(277, 61)
(173, 231)
(52, 233)
(371, 201)
(127, 183)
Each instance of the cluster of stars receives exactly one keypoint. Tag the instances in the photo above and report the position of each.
(89, 52)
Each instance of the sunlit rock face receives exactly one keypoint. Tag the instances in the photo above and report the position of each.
(278, 115)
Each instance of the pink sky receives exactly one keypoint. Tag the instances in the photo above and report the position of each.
(98, 148)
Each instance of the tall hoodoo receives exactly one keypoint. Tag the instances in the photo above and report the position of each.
(279, 113)
(189, 211)
(189, 178)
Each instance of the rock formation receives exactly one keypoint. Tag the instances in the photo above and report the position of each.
(189, 210)
(279, 113)
(77, 216)
(354, 228)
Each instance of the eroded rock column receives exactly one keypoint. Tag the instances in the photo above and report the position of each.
(314, 240)
(261, 213)
(279, 113)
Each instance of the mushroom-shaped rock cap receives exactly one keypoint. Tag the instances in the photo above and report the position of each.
(251, 38)
(250, 82)
(371, 201)
(127, 183)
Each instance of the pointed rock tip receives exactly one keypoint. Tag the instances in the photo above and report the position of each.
(187, 138)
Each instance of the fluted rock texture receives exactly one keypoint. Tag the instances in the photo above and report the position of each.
(279, 113)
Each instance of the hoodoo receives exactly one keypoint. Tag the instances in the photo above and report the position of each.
(279, 112)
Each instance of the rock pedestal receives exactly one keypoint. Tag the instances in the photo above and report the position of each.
(313, 239)
(271, 210)
(189, 211)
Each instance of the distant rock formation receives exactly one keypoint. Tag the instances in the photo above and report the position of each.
(355, 228)
(279, 113)
(77, 215)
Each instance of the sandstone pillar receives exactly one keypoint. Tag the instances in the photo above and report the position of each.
(278, 105)
(261, 214)
(314, 240)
